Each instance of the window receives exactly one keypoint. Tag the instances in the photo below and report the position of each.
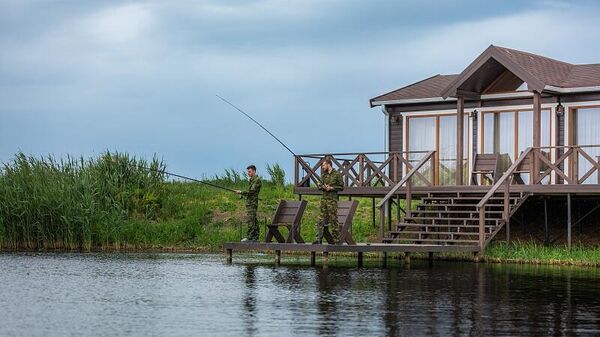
(437, 133)
(585, 132)
(511, 132)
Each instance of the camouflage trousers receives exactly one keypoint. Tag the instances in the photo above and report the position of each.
(328, 217)
(252, 222)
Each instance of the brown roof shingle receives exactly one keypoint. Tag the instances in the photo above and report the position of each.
(427, 88)
(549, 71)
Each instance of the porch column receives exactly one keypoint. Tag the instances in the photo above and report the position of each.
(460, 127)
(537, 134)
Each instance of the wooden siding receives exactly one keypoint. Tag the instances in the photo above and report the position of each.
(396, 132)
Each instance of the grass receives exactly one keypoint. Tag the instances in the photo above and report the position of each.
(112, 202)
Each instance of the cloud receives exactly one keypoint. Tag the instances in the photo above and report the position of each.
(141, 76)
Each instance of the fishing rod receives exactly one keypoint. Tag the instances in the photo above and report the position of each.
(257, 123)
(264, 128)
(188, 178)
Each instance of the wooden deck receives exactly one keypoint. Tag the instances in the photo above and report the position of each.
(358, 249)
(448, 218)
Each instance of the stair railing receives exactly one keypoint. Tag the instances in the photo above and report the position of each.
(505, 180)
(430, 156)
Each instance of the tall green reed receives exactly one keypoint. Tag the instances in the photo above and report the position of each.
(76, 203)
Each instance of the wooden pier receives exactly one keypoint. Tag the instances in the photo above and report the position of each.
(325, 249)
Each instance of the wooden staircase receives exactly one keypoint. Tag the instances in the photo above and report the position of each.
(453, 219)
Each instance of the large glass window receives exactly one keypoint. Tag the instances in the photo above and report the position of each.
(438, 133)
(511, 132)
(585, 132)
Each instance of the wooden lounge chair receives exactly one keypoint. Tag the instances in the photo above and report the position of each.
(346, 210)
(288, 214)
(487, 166)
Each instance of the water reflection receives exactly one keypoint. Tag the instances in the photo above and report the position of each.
(250, 300)
(169, 294)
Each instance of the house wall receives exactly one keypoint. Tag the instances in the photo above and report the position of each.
(559, 130)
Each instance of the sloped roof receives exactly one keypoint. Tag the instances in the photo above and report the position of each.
(536, 70)
(427, 88)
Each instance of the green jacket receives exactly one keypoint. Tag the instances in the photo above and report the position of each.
(254, 185)
(333, 179)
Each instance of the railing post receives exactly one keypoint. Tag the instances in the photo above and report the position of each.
(506, 214)
(361, 168)
(296, 171)
(481, 227)
(381, 223)
(395, 177)
(408, 197)
(432, 163)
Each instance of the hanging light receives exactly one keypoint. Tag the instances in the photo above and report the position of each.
(560, 109)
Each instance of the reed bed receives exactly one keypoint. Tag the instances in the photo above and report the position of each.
(76, 203)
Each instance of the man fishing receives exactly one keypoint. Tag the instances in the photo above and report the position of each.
(254, 184)
(331, 183)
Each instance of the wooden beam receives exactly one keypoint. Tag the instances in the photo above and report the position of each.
(537, 134)
(460, 128)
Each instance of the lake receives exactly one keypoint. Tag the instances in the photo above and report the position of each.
(68, 294)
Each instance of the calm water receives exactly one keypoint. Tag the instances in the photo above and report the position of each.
(184, 295)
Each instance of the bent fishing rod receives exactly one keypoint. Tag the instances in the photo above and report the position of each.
(264, 128)
(187, 178)
(257, 123)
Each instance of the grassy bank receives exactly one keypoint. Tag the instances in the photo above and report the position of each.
(114, 203)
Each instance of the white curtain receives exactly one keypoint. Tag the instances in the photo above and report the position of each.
(421, 137)
(447, 155)
(587, 122)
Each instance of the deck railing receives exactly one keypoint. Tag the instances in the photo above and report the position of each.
(537, 163)
(406, 180)
(368, 169)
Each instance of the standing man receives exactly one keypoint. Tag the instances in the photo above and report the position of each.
(331, 184)
(251, 196)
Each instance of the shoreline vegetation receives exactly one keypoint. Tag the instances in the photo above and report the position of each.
(114, 203)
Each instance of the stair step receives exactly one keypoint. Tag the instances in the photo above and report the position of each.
(402, 233)
(476, 218)
(390, 240)
(454, 211)
(442, 226)
(459, 205)
(454, 199)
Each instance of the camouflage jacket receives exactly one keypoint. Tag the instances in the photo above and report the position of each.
(333, 179)
(254, 185)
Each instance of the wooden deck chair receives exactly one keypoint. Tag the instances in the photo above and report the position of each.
(346, 210)
(487, 166)
(288, 214)
(526, 166)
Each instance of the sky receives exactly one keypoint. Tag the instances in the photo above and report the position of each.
(83, 77)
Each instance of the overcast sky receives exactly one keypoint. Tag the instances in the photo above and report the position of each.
(81, 77)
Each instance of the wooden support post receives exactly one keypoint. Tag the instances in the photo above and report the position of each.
(537, 136)
(389, 214)
(430, 258)
(569, 220)
(325, 259)
(506, 210)
(381, 223)
(546, 234)
(407, 257)
(360, 259)
(277, 257)
(229, 256)
(373, 215)
(384, 262)
(481, 227)
(313, 259)
(460, 124)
